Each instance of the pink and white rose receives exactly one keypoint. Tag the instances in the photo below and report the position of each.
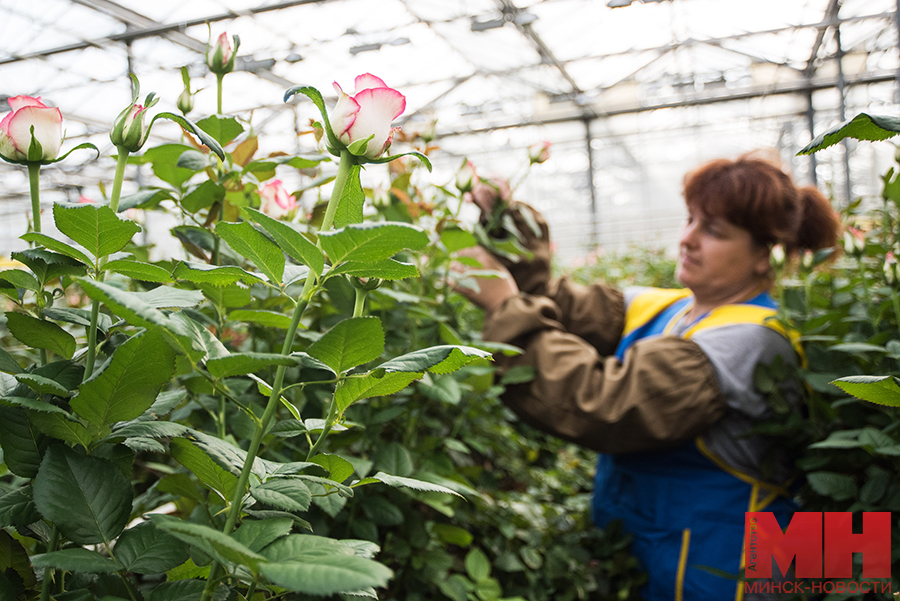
(128, 130)
(368, 112)
(18, 143)
(221, 54)
(275, 201)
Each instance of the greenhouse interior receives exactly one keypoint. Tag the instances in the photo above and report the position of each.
(282, 319)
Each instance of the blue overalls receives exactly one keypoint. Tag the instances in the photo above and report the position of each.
(685, 506)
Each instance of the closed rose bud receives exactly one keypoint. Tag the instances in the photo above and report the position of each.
(366, 114)
(854, 242)
(808, 260)
(777, 256)
(32, 132)
(128, 130)
(539, 153)
(221, 54)
(275, 201)
(466, 176)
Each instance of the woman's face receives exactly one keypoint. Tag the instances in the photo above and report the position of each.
(718, 260)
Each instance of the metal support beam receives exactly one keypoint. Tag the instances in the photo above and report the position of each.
(595, 216)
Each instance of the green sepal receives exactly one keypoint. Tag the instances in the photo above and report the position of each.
(414, 153)
(316, 97)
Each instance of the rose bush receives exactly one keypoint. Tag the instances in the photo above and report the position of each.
(19, 142)
(367, 115)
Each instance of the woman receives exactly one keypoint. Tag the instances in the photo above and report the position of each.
(660, 382)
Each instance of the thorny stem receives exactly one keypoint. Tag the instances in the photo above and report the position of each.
(48, 571)
(262, 427)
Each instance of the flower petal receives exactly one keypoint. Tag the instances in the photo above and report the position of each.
(367, 81)
(47, 129)
(378, 107)
(344, 115)
(20, 102)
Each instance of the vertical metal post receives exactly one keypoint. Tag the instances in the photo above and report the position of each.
(595, 219)
(811, 125)
(897, 26)
(841, 86)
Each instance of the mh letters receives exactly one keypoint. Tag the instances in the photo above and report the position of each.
(808, 535)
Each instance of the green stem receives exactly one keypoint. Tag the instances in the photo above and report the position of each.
(34, 170)
(219, 78)
(48, 571)
(896, 301)
(359, 305)
(340, 180)
(329, 421)
(91, 356)
(120, 175)
(234, 510)
(217, 260)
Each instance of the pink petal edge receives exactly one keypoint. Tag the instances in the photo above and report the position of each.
(367, 81)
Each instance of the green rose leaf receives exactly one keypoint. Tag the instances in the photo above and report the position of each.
(355, 389)
(436, 359)
(389, 269)
(20, 279)
(207, 471)
(193, 160)
(202, 273)
(238, 364)
(839, 487)
(48, 265)
(8, 364)
(76, 560)
(371, 242)
(244, 239)
(41, 334)
(295, 244)
(42, 385)
(145, 549)
(62, 426)
(289, 494)
(882, 390)
(256, 535)
(145, 272)
(127, 305)
(127, 386)
(95, 227)
(269, 319)
(87, 498)
(202, 196)
(81, 317)
(209, 540)
(861, 127)
(420, 485)
(339, 468)
(21, 441)
(17, 508)
(165, 297)
(350, 206)
(222, 129)
(164, 162)
(55, 245)
(350, 343)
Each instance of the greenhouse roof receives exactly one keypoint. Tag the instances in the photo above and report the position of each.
(469, 65)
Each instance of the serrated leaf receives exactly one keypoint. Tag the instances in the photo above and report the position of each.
(289, 240)
(350, 343)
(318, 568)
(185, 589)
(225, 275)
(87, 498)
(129, 383)
(150, 429)
(290, 494)
(166, 297)
(20, 279)
(477, 565)
(42, 385)
(355, 389)
(143, 199)
(8, 364)
(32, 404)
(389, 269)
(144, 549)
(146, 272)
(203, 196)
(202, 344)
(395, 459)
(861, 127)
(436, 359)
(127, 305)
(207, 471)
(47, 265)
(222, 129)
(839, 487)
(95, 227)
(238, 364)
(455, 239)
(339, 469)
(882, 390)
(22, 443)
(75, 560)
(227, 455)
(246, 241)
(269, 319)
(38, 333)
(256, 535)
(193, 160)
(55, 245)
(81, 317)
(17, 508)
(61, 426)
(401, 482)
(209, 540)
(371, 242)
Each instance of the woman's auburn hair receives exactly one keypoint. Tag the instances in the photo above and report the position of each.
(755, 194)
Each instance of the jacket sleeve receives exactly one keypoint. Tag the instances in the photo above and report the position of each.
(663, 393)
(595, 313)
